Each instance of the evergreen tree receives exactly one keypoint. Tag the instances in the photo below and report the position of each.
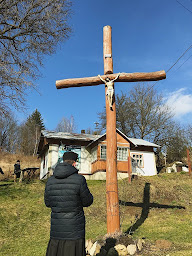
(36, 119)
(30, 132)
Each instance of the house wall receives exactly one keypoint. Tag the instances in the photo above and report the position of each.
(101, 175)
(174, 168)
(149, 164)
(44, 165)
(49, 161)
(53, 157)
(85, 161)
(100, 165)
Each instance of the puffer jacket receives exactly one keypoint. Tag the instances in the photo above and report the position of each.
(66, 193)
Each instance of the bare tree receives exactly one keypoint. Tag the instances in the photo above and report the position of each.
(8, 133)
(176, 144)
(189, 135)
(29, 29)
(89, 130)
(66, 125)
(142, 114)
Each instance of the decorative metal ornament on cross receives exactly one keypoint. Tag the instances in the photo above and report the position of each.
(113, 220)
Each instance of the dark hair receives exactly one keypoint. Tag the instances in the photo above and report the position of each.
(69, 155)
(18, 161)
(69, 161)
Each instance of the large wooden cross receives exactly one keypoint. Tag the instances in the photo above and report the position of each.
(113, 220)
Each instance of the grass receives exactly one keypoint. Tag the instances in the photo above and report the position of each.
(25, 221)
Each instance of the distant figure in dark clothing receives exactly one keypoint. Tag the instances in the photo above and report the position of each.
(1, 171)
(66, 193)
(17, 170)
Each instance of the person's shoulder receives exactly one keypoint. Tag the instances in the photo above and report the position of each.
(50, 180)
(78, 176)
(81, 178)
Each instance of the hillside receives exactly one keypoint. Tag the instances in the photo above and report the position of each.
(7, 162)
(158, 209)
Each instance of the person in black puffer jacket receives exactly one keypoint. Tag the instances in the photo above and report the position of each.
(66, 193)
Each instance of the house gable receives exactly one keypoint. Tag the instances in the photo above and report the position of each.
(99, 164)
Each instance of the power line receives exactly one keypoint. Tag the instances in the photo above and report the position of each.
(184, 6)
(184, 61)
(179, 58)
(180, 66)
(173, 66)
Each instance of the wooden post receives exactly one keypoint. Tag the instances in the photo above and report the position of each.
(113, 219)
(129, 166)
(189, 162)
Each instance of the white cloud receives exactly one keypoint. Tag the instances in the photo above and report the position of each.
(180, 102)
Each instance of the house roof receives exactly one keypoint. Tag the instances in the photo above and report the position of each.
(89, 139)
(69, 136)
(135, 142)
(140, 142)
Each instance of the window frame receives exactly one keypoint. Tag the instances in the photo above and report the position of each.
(104, 158)
(102, 145)
(140, 154)
(122, 160)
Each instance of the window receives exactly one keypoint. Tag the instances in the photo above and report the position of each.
(103, 152)
(122, 153)
(137, 160)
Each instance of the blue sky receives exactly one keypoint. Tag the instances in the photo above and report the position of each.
(146, 36)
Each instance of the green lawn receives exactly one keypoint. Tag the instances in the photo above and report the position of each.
(152, 210)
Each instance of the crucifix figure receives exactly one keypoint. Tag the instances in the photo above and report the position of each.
(113, 220)
(110, 88)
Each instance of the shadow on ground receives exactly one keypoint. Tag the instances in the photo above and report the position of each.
(108, 248)
(146, 206)
(6, 185)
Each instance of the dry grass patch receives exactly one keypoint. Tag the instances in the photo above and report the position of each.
(7, 162)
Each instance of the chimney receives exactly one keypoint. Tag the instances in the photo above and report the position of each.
(82, 131)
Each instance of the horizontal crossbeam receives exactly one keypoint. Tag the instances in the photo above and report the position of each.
(124, 77)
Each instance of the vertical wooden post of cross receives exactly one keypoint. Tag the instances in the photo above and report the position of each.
(129, 166)
(189, 162)
(113, 219)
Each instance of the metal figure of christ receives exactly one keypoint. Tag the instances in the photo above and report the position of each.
(113, 220)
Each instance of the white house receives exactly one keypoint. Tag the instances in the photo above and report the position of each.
(92, 154)
(177, 167)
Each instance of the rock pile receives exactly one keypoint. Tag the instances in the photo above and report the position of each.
(121, 246)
